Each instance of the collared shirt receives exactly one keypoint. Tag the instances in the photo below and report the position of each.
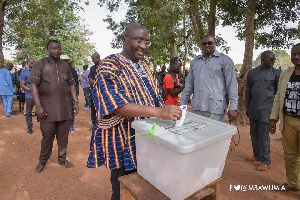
(261, 88)
(6, 82)
(24, 77)
(53, 79)
(119, 82)
(209, 81)
(85, 79)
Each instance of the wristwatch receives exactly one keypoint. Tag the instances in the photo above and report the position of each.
(75, 101)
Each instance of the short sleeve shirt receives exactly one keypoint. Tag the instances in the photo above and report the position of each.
(53, 79)
(168, 83)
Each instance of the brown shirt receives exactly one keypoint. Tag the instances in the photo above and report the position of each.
(53, 79)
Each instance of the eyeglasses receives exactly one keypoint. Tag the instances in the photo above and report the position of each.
(207, 43)
(139, 41)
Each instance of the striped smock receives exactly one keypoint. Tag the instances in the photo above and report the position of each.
(119, 81)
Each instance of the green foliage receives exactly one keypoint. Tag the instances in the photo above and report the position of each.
(273, 19)
(282, 59)
(30, 24)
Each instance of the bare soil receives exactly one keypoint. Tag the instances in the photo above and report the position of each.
(19, 154)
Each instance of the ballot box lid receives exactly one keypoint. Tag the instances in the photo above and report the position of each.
(196, 132)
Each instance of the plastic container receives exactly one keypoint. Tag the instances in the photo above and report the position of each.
(179, 161)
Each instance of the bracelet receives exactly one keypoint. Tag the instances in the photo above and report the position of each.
(75, 101)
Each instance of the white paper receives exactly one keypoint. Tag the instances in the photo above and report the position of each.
(183, 109)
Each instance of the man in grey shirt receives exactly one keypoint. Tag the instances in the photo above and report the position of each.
(211, 76)
(261, 87)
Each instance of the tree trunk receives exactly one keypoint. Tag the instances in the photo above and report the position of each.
(247, 62)
(2, 14)
(174, 51)
(196, 20)
(212, 17)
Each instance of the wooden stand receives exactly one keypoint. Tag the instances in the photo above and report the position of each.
(135, 187)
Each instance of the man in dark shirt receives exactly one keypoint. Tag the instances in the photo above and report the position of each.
(92, 76)
(261, 88)
(52, 86)
(286, 109)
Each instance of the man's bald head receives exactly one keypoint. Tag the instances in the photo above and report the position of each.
(267, 59)
(133, 26)
(136, 41)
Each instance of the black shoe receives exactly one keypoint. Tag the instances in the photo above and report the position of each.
(66, 163)
(39, 168)
(29, 131)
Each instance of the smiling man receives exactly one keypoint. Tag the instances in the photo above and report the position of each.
(124, 91)
(286, 109)
(211, 76)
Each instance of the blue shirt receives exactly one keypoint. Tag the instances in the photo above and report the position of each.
(23, 77)
(209, 81)
(6, 82)
(85, 79)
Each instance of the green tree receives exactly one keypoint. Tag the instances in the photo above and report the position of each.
(252, 18)
(30, 24)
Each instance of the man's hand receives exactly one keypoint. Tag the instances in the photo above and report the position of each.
(169, 112)
(272, 126)
(40, 112)
(232, 114)
(76, 108)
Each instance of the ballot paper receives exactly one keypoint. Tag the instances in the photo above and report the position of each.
(181, 120)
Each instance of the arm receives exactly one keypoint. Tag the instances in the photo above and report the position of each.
(134, 110)
(231, 87)
(92, 81)
(74, 97)
(22, 84)
(40, 112)
(248, 93)
(188, 88)
(274, 116)
(175, 91)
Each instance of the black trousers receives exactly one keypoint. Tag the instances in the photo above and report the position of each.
(60, 129)
(115, 184)
(93, 112)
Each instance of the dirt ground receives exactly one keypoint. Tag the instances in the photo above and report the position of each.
(19, 154)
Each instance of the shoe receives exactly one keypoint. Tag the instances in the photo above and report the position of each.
(66, 163)
(72, 129)
(86, 107)
(253, 159)
(263, 167)
(8, 115)
(29, 131)
(286, 187)
(40, 167)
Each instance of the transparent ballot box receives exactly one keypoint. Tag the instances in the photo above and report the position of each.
(180, 160)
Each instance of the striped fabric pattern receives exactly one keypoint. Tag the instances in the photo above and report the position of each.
(118, 82)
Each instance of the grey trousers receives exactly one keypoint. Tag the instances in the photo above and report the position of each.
(220, 118)
(29, 106)
(60, 129)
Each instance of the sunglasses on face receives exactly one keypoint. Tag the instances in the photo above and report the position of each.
(139, 41)
(207, 43)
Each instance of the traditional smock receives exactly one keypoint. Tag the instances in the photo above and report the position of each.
(119, 81)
